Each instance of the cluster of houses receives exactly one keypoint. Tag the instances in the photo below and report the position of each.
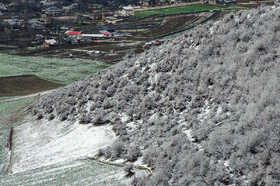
(75, 37)
(53, 14)
(13, 24)
(47, 7)
(16, 24)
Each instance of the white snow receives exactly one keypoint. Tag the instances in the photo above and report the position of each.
(204, 111)
(124, 117)
(188, 133)
(131, 126)
(139, 162)
(41, 143)
(226, 163)
(219, 110)
(119, 161)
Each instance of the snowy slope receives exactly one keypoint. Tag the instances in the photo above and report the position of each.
(40, 143)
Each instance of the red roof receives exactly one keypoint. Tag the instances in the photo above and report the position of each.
(73, 32)
(106, 33)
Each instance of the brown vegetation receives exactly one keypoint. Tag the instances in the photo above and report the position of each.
(23, 85)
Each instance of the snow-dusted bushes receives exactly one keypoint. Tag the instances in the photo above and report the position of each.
(220, 82)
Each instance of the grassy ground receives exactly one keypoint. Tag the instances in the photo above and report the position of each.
(8, 108)
(83, 172)
(176, 10)
(62, 71)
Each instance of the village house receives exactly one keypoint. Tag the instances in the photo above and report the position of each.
(3, 8)
(127, 11)
(12, 23)
(95, 53)
(73, 33)
(49, 42)
(71, 40)
(53, 10)
(144, 2)
(92, 36)
(35, 24)
(48, 3)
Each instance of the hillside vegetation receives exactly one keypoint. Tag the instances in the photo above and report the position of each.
(202, 109)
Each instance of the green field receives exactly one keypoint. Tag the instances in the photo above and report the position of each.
(63, 71)
(7, 108)
(176, 10)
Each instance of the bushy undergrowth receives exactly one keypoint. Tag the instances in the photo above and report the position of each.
(220, 82)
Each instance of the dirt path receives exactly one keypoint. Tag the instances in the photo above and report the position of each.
(30, 95)
(9, 148)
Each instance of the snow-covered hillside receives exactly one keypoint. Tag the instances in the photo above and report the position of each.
(202, 109)
(39, 143)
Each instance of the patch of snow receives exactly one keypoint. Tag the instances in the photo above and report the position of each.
(119, 161)
(203, 113)
(188, 133)
(191, 138)
(153, 117)
(153, 78)
(132, 126)
(219, 110)
(151, 92)
(137, 63)
(139, 162)
(124, 118)
(42, 143)
(226, 163)
(153, 66)
(88, 105)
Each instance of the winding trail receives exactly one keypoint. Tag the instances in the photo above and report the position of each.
(29, 95)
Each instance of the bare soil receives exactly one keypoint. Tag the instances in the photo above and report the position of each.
(24, 85)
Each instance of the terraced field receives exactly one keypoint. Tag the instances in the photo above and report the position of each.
(176, 10)
(173, 24)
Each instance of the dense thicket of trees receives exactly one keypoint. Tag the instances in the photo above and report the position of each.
(220, 82)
